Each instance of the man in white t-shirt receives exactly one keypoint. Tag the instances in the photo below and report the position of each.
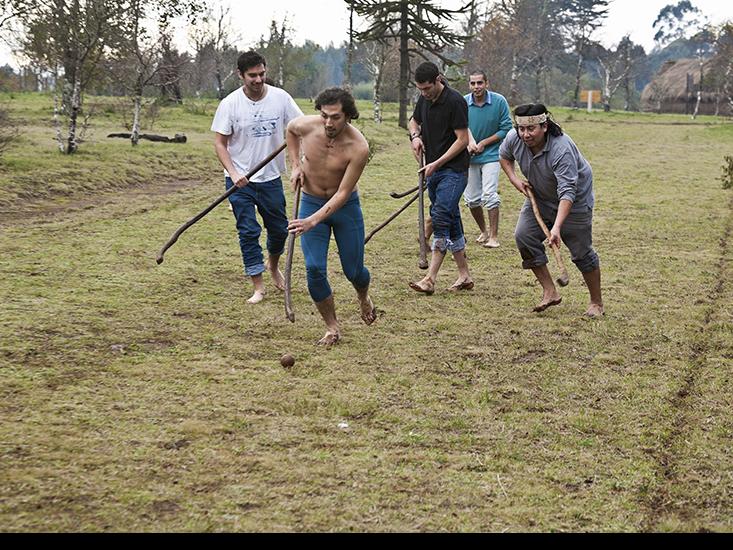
(249, 124)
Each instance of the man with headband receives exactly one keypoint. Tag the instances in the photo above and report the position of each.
(562, 181)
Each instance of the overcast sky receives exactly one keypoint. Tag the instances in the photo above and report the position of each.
(326, 21)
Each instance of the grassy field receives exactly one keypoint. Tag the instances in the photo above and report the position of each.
(137, 397)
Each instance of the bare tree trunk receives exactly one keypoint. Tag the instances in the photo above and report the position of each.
(57, 122)
(578, 70)
(514, 81)
(699, 90)
(135, 134)
(75, 107)
(377, 97)
(350, 52)
(404, 66)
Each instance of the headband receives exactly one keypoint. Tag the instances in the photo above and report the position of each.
(531, 120)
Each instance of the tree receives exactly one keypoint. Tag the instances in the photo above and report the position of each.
(675, 21)
(420, 28)
(581, 18)
(140, 52)
(536, 40)
(721, 65)
(68, 38)
(213, 37)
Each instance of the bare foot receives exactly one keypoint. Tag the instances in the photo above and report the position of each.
(491, 243)
(330, 339)
(368, 311)
(482, 238)
(426, 286)
(277, 276)
(595, 311)
(461, 284)
(257, 297)
(547, 302)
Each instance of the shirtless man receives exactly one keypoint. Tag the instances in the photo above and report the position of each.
(328, 156)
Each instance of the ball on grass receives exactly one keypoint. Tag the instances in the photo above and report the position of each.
(287, 360)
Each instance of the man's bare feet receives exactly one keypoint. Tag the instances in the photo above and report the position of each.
(368, 311)
(277, 277)
(461, 284)
(257, 297)
(595, 311)
(426, 286)
(482, 238)
(547, 301)
(491, 243)
(330, 339)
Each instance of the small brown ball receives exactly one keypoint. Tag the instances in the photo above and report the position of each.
(287, 360)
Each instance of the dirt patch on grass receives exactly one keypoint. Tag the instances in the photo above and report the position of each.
(661, 503)
(33, 210)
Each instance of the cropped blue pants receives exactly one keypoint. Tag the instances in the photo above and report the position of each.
(347, 226)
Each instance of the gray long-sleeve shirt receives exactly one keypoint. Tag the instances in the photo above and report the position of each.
(557, 172)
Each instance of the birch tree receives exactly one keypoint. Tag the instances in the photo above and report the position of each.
(68, 38)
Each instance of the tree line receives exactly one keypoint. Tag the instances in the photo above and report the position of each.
(532, 50)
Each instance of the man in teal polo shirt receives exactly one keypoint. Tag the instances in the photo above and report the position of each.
(489, 121)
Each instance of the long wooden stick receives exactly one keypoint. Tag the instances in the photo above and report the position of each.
(289, 312)
(563, 279)
(422, 262)
(214, 204)
(392, 217)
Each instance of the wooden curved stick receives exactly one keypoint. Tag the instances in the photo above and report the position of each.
(403, 195)
(422, 262)
(392, 217)
(289, 312)
(214, 204)
(563, 279)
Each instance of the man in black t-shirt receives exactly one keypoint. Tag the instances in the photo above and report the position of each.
(439, 127)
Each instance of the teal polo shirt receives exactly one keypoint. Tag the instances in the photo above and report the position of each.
(493, 117)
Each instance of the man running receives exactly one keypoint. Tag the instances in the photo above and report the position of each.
(328, 156)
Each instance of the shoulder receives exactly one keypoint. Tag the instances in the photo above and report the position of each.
(499, 98)
(359, 144)
(304, 123)
(278, 93)
(512, 139)
(454, 95)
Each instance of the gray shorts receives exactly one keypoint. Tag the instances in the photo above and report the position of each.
(576, 233)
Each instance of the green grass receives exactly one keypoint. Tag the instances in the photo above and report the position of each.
(150, 398)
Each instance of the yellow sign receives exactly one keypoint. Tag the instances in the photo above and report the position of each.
(595, 95)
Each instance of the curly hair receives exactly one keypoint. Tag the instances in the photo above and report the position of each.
(332, 96)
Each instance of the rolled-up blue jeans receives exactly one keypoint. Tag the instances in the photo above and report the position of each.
(347, 225)
(445, 188)
(269, 200)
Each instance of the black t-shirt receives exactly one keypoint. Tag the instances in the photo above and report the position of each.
(438, 119)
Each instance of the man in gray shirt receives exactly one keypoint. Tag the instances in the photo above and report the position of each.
(562, 181)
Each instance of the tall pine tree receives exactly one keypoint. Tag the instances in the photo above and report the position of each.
(420, 27)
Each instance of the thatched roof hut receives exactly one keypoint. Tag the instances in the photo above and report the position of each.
(674, 90)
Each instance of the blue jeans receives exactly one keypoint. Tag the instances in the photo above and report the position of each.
(445, 188)
(347, 224)
(269, 199)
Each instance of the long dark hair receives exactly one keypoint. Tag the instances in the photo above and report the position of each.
(534, 109)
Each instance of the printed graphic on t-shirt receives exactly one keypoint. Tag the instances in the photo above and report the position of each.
(263, 125)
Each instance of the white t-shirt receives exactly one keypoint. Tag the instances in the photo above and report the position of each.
(255, 129)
